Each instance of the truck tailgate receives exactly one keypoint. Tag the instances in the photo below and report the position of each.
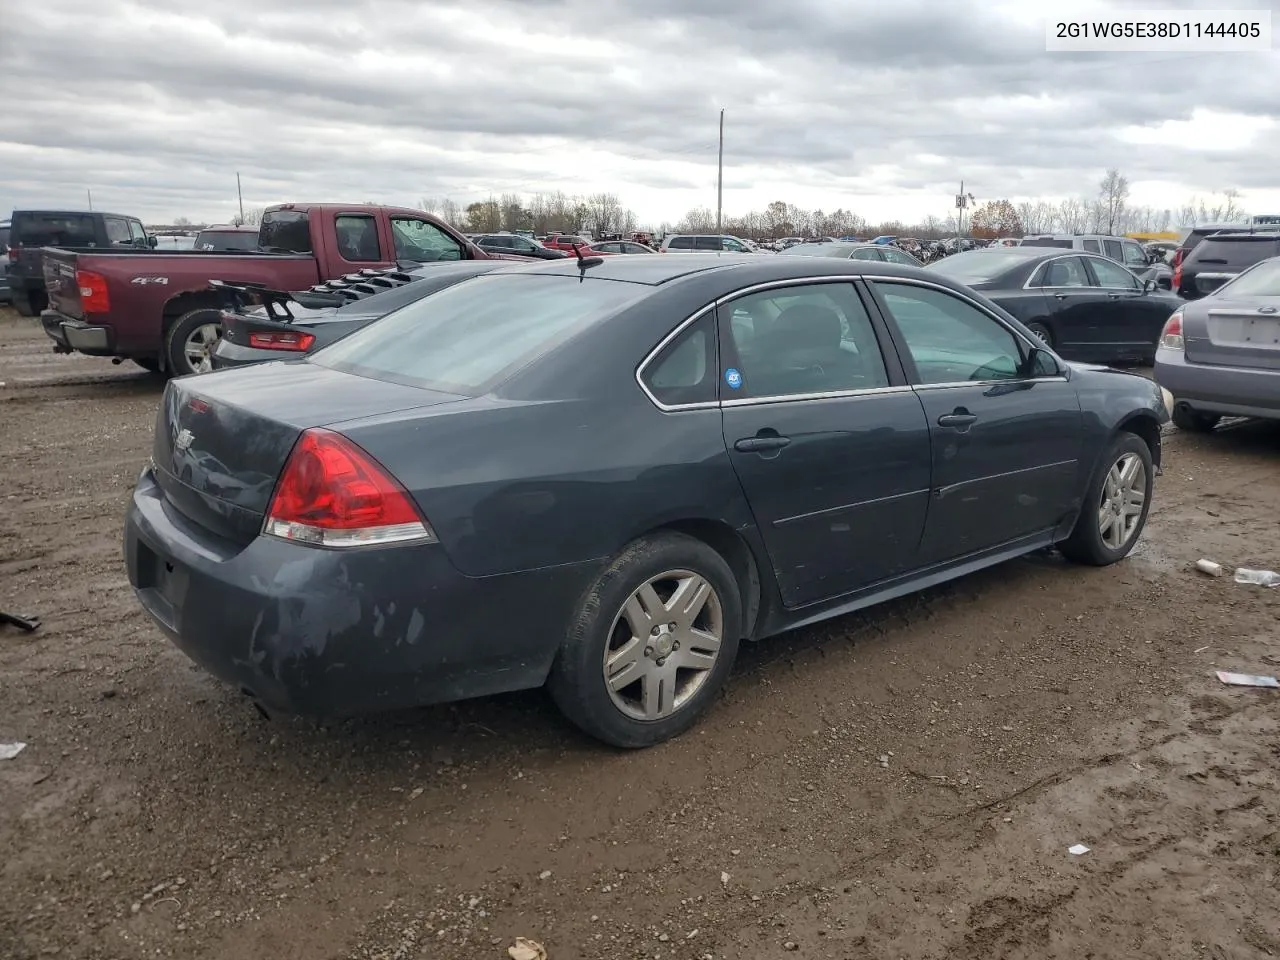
(60, 279)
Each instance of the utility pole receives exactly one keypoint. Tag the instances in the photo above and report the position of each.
(241, 197)
(89, 193)
(720, 180)
(962, 200)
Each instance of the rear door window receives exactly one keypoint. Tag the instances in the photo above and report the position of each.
(1134, 257)
(708, 243)
(801, 340)
(467, 338)
(1063, 272)
(1092, 246)
(1112, 249)
(117, 232)
(358, 238)
(680, 243)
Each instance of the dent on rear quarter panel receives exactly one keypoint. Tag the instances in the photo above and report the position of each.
(513, 486)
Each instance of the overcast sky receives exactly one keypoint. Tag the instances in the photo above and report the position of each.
(879, 107)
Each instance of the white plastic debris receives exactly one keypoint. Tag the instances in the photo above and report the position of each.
(1263, 578)
(1077, 849)
(1247, 680)
(525, 949)
(1211, 568)
(10, 750)
(724, 877)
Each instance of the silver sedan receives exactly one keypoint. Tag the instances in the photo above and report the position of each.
(1219, 356)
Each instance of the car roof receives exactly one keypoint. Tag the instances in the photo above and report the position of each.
(752, 268)
(1244, 235)
(439, 268)
(72, 213)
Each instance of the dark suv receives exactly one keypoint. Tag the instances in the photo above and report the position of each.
(510, 243)
(32, 230)
(5, 295)
(1220, 257)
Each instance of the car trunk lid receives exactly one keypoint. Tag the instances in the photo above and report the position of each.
(222, 440)
(1234, 333)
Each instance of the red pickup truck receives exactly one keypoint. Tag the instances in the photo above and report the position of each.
(158, 309)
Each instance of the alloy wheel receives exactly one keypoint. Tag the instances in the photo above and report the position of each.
(663, 645)
(1124, 493)
(198, 348)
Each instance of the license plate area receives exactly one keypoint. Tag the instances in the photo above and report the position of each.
(163, 583)
(1256, 333)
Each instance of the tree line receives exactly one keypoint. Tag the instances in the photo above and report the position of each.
(1108, 212)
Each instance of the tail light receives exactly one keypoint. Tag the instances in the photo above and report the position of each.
(290, 340)
(93, 292)
(333, 494)
(1171, 336)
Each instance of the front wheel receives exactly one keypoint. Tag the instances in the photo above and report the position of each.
(1042, 333)
(1115, 505)
(191, 340)
(653, 642)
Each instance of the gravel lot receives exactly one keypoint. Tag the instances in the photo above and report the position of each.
(899, 784)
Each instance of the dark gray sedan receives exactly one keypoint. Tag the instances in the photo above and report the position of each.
(1220, 355)
(853, 250)
(604, 474)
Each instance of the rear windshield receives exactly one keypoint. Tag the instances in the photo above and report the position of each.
(1238, 252)
(285, 231)
(470, 336)
(227, 240)
(1045, 242)
(1262, 281)
(818, 250)
(54, 229)
(979, 265)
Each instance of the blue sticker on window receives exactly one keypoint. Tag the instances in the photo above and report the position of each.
(733, 378)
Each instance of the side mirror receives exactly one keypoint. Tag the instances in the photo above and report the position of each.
(1149, 286)
(153, 242)
(1042, 363)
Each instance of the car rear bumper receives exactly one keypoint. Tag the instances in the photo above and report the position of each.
(338, 632)
(1230, 391)
(77, 335)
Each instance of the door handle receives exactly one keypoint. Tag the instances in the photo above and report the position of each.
(957, 419)
(1060, 296)
(1113, 296)
(758, 444)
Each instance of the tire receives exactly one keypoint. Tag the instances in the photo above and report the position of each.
(1041, 331)
(1193, 421)
(601, 629)
(149, 364)
(22, 303)
(1090, 541)
(176, 341)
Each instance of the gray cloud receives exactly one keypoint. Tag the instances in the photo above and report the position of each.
(155, 107)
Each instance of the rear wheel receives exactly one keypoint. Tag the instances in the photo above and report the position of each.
(1115, 505)
(1042, 332)
(191, 339)
(1193, 421)
(22, 303)
(653, 642)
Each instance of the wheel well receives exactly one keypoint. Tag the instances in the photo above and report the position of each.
(1147, 430)
(186, 302)
(722, 538)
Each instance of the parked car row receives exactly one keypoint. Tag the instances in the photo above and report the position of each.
(603, 474)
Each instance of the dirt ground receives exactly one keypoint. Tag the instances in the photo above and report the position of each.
(899, 784)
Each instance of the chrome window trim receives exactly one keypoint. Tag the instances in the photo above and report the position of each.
(832, 395)
(828, 395)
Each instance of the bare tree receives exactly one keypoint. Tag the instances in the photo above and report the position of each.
(251, 218)
(1113, 193)
(483, 216)
(1073, 215)
(697, 220)
(429, 204)
(512, 212)
(450, 212)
